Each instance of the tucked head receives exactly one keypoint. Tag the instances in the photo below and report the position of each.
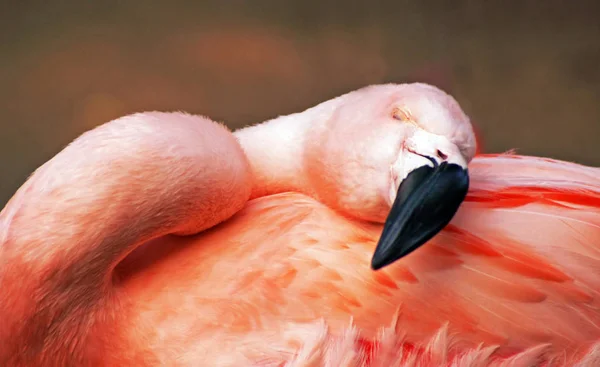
(396, 154)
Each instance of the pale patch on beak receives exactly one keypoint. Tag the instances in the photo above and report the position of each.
(429, 182)
(421, 149)
(405, 164)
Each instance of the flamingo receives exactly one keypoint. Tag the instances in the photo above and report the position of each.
(360, 232)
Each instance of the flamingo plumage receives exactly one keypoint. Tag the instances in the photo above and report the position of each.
(164, 239)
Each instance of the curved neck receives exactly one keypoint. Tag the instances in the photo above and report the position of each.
(112, 189)
(276, 150)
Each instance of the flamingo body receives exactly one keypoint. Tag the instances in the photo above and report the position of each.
(517, 268)
(138, 245)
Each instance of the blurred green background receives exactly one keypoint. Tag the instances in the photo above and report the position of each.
(527, 72)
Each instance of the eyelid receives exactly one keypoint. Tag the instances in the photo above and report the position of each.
(404, 115)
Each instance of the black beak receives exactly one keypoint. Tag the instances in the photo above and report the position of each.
(427, 200)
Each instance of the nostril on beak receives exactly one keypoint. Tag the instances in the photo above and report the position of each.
(442, 155)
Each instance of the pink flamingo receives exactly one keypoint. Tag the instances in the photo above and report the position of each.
(99, 264)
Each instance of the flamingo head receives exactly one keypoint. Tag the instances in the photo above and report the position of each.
(395, 154)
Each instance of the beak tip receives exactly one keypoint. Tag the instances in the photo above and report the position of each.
(376, 263)
(384, 254)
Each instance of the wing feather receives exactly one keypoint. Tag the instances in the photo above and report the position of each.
(520, 263)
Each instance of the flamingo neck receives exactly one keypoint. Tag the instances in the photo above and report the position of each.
(276, 150)
(114, 188)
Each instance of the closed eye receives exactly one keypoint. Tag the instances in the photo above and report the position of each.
(403, 115)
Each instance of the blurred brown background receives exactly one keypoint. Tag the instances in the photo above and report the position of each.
(527, 72)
